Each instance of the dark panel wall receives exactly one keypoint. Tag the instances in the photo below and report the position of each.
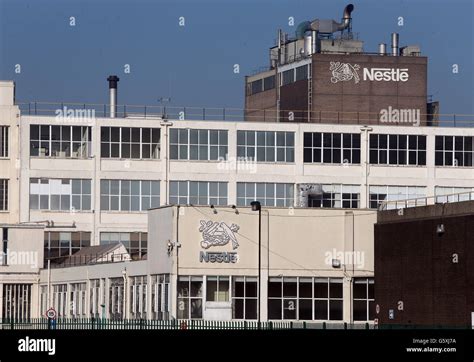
(351, 102)
(414, 264)
(294, 98)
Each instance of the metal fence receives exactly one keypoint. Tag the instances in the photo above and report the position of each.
(89, 111)
(176, 324)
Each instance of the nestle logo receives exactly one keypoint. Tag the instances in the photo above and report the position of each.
(386, 74)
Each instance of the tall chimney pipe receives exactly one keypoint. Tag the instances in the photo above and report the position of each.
(113, 80)
(382, 48)
(395, 50)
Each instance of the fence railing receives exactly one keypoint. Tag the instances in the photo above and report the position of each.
(176, 324)
(426, 200)
(88, 111)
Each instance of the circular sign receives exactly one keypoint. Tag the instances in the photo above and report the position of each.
(51, 313)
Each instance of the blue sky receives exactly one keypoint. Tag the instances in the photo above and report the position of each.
(194, 64)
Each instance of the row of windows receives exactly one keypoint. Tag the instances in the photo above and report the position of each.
(288, 297)
(295, 74)
(70, 300)
(262, 146)
(140, 195)
(261, 85)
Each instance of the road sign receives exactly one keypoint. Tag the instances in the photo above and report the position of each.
(51, 313)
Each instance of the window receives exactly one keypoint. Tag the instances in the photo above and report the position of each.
(77, 300)
(244, 298)
(257, 86)
(264, 146)
(287, 77)
(130, 143)
(60, 141)
(58, 245)
(60, 194)
(380, 194)
(363, 294)
(96, 298)
(269, 83)
(217, 289)
(138, 292)
(454, 151)
(135, 242)
(331, 148)
(453, 194)
(198, 193)
(3, 194)
(269, 194)
(305, 298)
(302, 72)
(198, 144)
(116, 299)
(4, 141)
(397, 149)
(59, 298)
(190, 296)
(44, 306)
(4, 255)
(160, 296)
(16, 301)
(129, 195)
(336, 196)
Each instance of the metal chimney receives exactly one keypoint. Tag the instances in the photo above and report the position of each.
(382, 48)
(395, 50)
(113, 79)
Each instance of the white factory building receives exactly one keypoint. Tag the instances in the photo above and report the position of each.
(71, 182)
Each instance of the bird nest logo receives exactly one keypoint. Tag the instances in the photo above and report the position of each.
(343, 72)
(218, 234)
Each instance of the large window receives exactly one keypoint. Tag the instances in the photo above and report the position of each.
(198, 193)
(244, 298)
(269, 194)
(60, 194)
(332, 148)
(190, 295)
(395, 149)
(305, 298)
(59, 298)
(134, 242)
(77, 300)
(336, 196)
(266, 146)
(217, 288)
(96, 298)
(363, 295)
(116, 298)
(60, 141)
(380, 194)
(261, 85)
(138, 295)
(58, 245)
(130, 142)
(454, 151)
(160, 296)
(4, 141)
(198, 144)
(3, 194)
(129, 195)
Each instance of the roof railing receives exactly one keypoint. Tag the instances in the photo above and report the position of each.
(426, 200)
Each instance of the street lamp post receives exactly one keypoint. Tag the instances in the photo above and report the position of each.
(256, 206)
